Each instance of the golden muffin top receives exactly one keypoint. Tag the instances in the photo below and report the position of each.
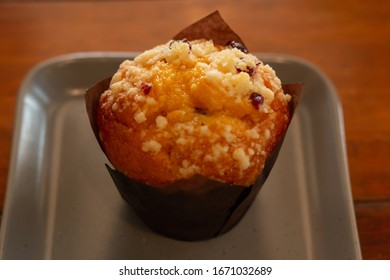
(191, 107)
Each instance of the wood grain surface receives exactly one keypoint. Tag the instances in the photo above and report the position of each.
(348, 40)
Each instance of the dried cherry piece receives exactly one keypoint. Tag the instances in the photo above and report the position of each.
(256, 99)
(237, 45)
(249, 69)
(146, 88)
(201, 111)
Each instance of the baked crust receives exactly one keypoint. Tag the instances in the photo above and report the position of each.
(189, 107)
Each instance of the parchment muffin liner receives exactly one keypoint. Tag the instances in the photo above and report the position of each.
(197, 208)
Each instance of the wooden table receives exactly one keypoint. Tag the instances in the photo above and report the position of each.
(349, 40)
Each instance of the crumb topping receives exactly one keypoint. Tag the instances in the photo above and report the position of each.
(161, 122)
(242, 158)
(151, 146)
(202, 108)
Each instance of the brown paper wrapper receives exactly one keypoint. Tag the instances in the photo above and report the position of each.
(197, 208)
(211, 27)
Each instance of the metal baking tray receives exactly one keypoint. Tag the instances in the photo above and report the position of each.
(61, 203)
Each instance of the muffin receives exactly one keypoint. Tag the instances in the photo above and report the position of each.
(192, 128)
(189, 108)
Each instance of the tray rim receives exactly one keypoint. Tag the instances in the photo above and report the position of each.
(268, 56)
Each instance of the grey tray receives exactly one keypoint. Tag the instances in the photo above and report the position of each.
(62, 204)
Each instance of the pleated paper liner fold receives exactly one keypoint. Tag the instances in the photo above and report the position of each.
(197, 208)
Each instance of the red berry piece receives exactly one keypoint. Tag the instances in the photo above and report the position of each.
(256, 99)
(250, 70)
(201, 111)
(237, 45)
(146, 88)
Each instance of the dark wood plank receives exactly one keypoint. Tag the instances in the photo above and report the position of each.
(373, 221)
